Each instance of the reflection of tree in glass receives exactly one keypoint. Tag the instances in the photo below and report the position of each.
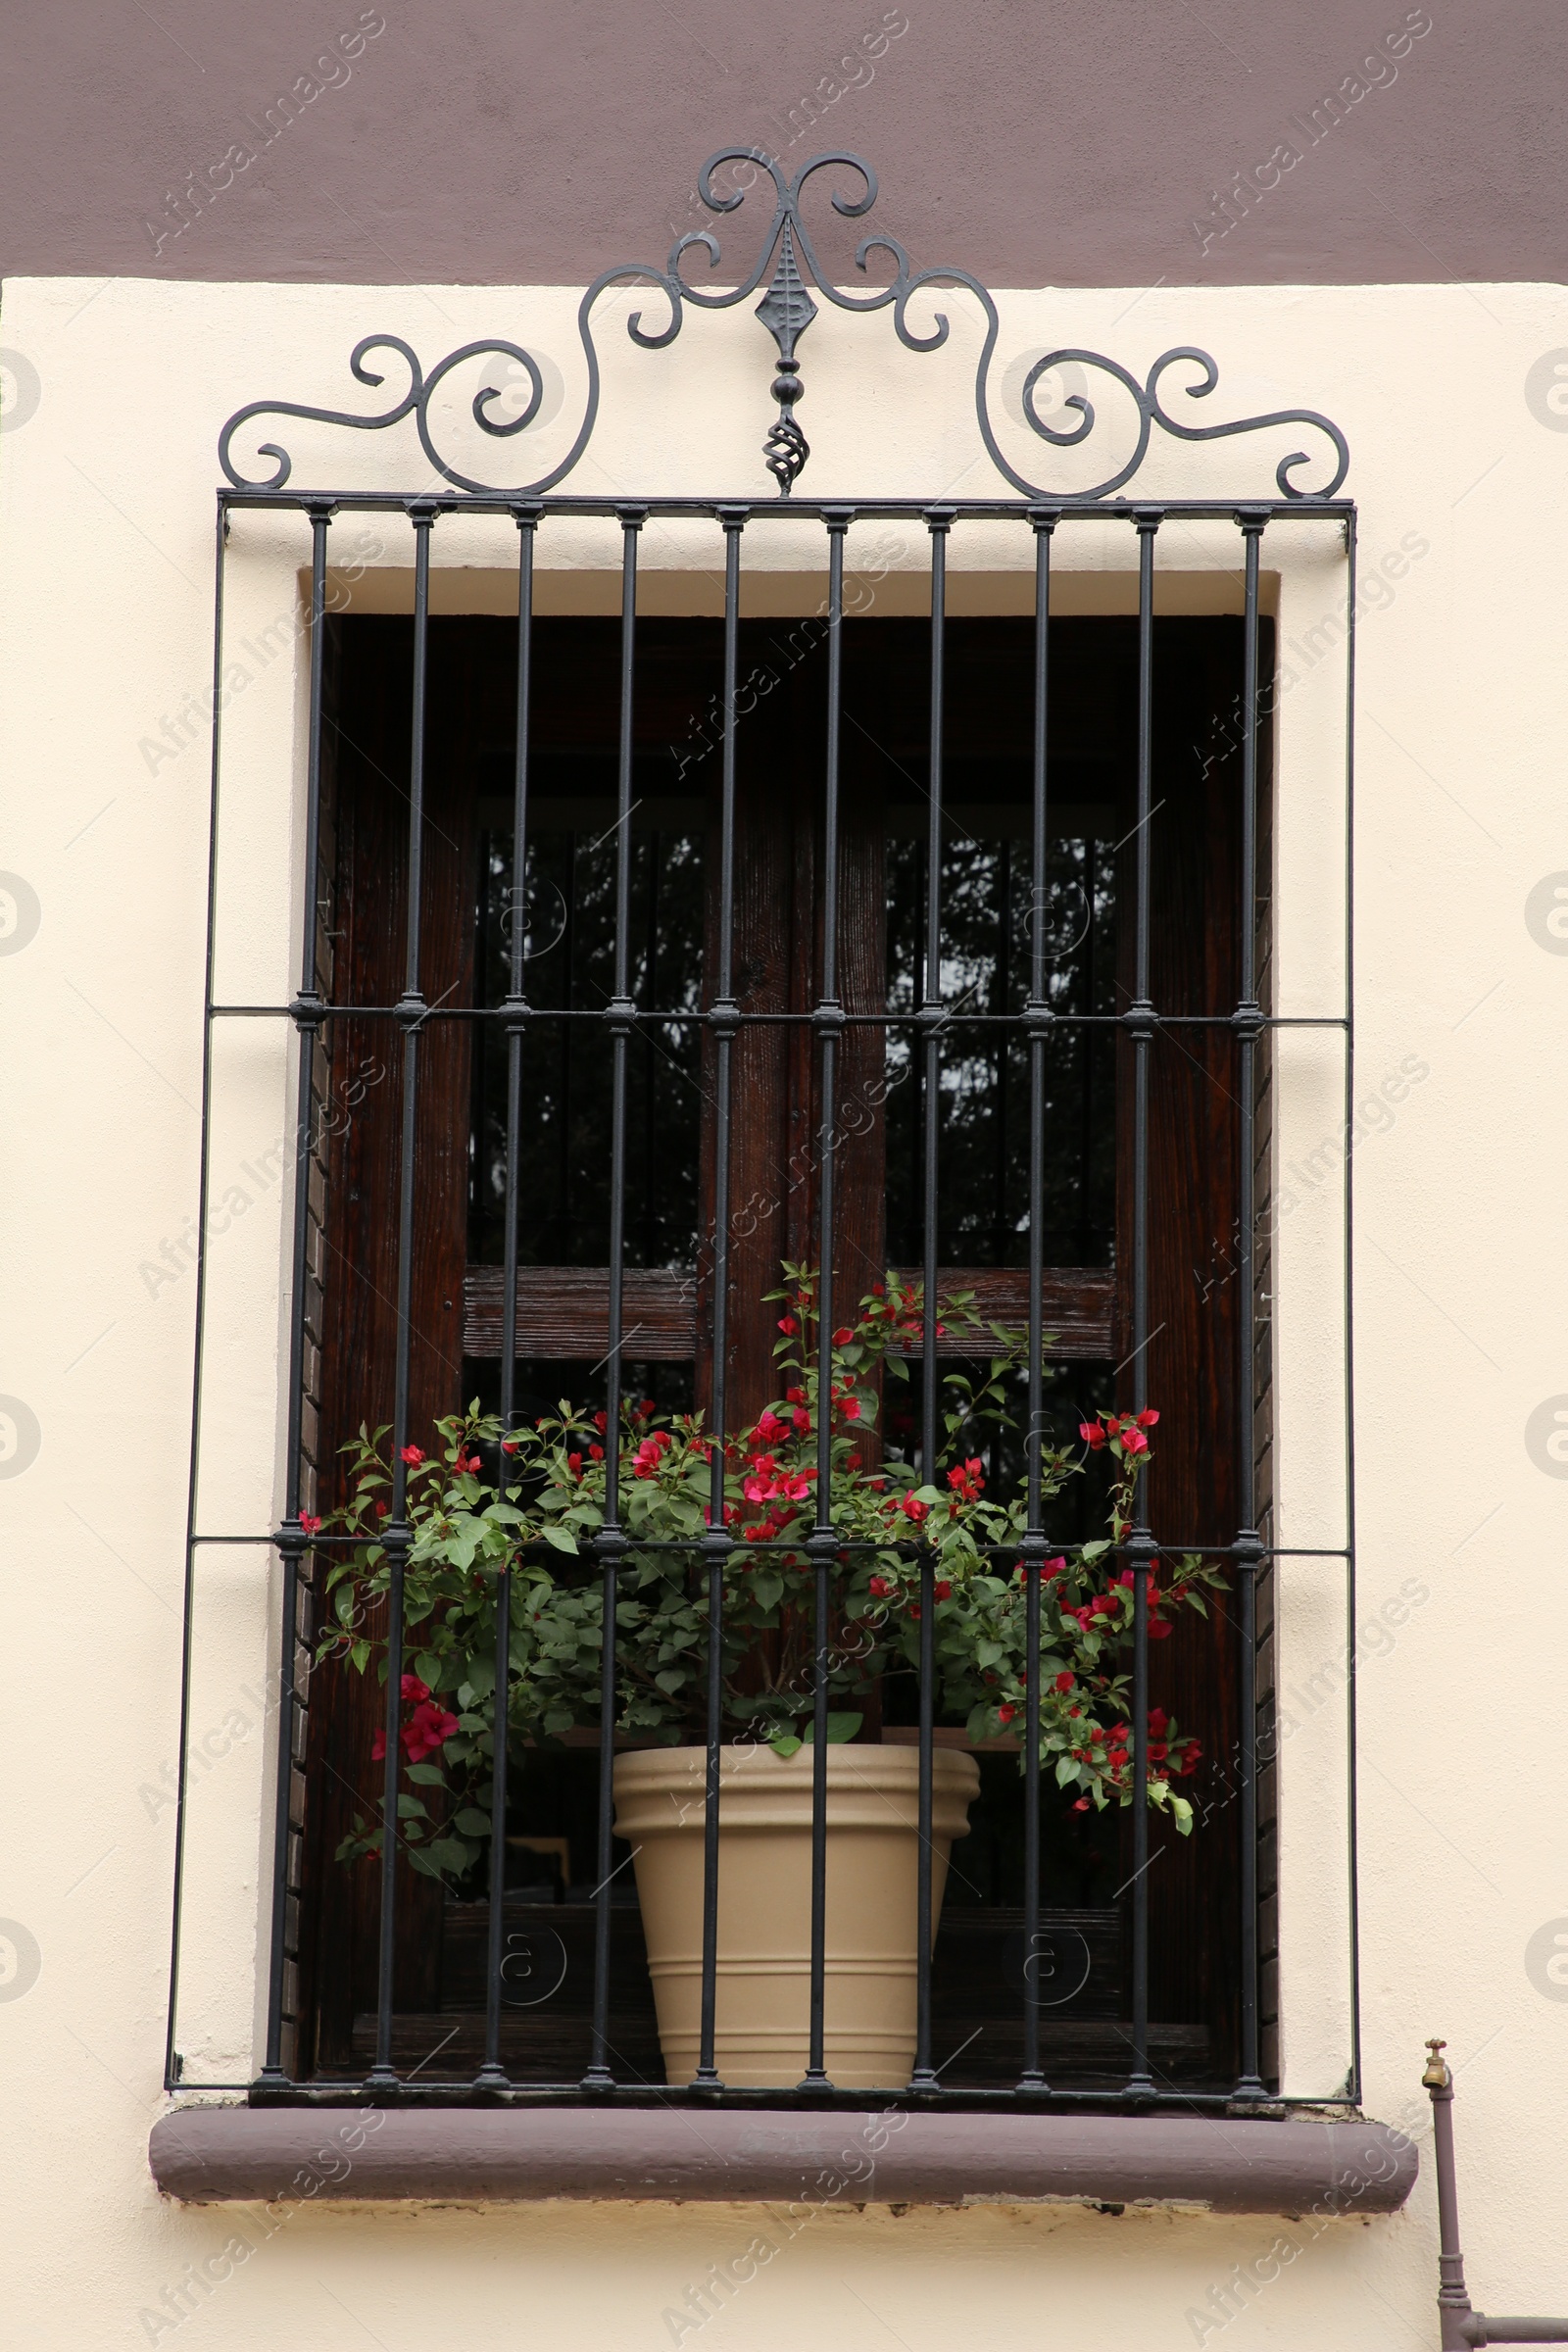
(570, 924)
(985, 946)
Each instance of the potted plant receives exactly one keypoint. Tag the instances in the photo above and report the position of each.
(531, 1501)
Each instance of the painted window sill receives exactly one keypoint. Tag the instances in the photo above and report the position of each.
(1228, 2163)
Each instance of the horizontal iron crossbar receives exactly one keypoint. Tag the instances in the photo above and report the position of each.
(807, 509)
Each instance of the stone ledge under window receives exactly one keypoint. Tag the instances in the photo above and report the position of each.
(1228, 2163)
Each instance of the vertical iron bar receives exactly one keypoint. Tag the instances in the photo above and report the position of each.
(827, 1023)
(724, 1020)
(515, 1009)
(1247, 1025)
(192, 1488)
(1037, 1022)
(409, 1009)
(1348, 1245)
(291, 1541)
(939, 520)
(611, 1542)
(1140, 1549)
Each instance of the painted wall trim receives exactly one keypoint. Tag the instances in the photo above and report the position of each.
(208, 2155)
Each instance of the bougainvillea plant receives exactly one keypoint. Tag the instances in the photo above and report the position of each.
(466, 1530)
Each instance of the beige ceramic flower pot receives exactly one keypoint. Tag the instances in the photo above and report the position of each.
(764, 1903)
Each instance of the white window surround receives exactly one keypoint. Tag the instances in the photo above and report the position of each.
(134, 476)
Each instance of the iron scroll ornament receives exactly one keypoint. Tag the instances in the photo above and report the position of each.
(786, 309)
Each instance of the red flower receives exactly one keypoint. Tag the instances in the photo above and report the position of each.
(431, 1727)
(787, 1326)
(596, 1453)
(574, 1464)
(649, 1453)
(943, 1589)
(601, 1421)
(1091, 1433)
(308, 1522)
(770, 1429)
(1146, 1420)
(851, 1408)
(1005, 1714)
(1158, 1752)
(1133, 1440)
(382, 1509)
(879, 1588)
(469, 1464)
(913, 1510)
(842, 1335)
(507, 1447)
(1158, 1723)
(802, 1420)
(413, 1690)
(1064, 1682)
(1082, 1805)
(795, 1396)
(378, 1748)
(852, 1461)
(413, 1454)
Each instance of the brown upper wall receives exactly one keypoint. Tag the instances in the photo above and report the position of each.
(511, 141)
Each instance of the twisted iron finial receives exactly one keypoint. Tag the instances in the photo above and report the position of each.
(786, 309)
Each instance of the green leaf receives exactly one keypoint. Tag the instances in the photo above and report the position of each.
(452, 1853)
(839, 1728)
(429, 1775)
(429, 1668)
(559, 1537)
(411, 1808)
(472, 1822)
(785, 1744)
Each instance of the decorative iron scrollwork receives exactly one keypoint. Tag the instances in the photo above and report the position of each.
(787, 310)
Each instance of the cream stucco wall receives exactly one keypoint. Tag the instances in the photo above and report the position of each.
(106, 556)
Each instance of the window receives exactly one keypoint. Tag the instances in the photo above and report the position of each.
(899, 985)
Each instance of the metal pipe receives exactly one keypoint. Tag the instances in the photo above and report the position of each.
(1458, 2324)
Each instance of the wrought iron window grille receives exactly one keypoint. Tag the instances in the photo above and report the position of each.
(786, 309)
